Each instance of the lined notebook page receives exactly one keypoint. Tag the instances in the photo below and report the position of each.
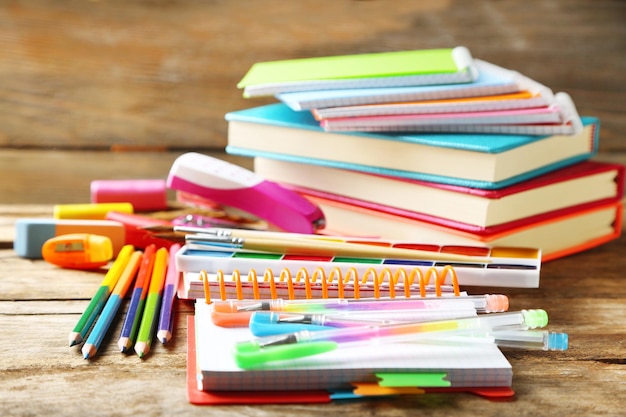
(469, 365)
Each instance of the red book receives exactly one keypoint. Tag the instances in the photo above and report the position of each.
(473, 210)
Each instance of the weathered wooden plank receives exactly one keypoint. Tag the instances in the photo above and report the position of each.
(93, 74)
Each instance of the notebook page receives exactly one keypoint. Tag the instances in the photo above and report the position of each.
(468, 365)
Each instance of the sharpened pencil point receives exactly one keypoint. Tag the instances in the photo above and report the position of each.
(164, 336)
(123, 343)
(89, 351)
(75, 338)
(142, 349)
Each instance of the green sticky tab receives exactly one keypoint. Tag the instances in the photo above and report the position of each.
(423, 379)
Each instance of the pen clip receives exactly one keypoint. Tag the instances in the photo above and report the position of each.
(249, 355)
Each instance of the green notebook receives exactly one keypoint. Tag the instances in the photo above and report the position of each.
(384, 69)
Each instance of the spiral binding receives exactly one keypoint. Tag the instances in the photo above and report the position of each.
(406, 280)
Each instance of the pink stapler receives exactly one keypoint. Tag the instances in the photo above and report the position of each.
(234, 186)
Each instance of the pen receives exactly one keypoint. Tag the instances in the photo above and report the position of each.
(111, 307)
(305, 343)
(237, 313)
(485, 303)
(319, 247)
(99, 299)
(166, 318)
(531, 339)
(265, 323)
(153, 300)
(137, 301)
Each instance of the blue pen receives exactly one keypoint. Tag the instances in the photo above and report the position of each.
(267, 323)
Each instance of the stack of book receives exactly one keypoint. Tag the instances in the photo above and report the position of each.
(431, 145)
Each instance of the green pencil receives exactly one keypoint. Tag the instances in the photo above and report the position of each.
(150, 315)
(99, 299)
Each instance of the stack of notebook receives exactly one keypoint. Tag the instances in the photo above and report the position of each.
(431, 145)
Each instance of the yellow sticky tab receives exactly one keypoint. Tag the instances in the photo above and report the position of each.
(371, 389)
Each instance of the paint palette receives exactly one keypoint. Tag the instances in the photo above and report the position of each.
(505, 267)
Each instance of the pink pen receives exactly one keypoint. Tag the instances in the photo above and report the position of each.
(234, 186)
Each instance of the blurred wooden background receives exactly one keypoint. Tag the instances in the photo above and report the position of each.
(117, 89)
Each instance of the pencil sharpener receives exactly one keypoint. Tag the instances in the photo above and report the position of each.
(78, 251)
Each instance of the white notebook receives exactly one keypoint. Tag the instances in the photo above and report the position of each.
(454, 365)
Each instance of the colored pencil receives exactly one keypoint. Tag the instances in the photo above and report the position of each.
(100, 297)
(111, 307)
(137, 301)
(166, 318)
(150, 315)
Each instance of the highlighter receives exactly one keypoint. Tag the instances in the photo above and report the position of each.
(78, 251)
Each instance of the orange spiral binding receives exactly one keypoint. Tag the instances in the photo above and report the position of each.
(401, 278)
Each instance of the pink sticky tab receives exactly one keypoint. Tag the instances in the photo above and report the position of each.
(144, 195)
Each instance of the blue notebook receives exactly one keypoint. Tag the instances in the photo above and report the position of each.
(488, 161)
(491, 80)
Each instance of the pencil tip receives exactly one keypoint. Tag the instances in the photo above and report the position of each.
(163, 337)
(141, 349)
(75, 338)
(122, 344)
(89, 351)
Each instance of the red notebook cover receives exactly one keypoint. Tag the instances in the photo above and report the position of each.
(574, 171)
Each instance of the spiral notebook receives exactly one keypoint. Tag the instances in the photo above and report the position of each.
(240, 274)
(429, 366)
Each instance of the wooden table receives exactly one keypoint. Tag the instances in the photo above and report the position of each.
(98, 90)
(585, 296)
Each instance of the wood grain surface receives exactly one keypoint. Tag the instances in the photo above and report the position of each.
(118, 89)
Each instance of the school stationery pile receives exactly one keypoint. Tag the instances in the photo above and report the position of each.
(433, 144)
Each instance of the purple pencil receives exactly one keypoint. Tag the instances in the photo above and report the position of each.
(166, 318)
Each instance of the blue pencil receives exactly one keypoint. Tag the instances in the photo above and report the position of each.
(166, 318)
(137, 301)
(111, 307)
